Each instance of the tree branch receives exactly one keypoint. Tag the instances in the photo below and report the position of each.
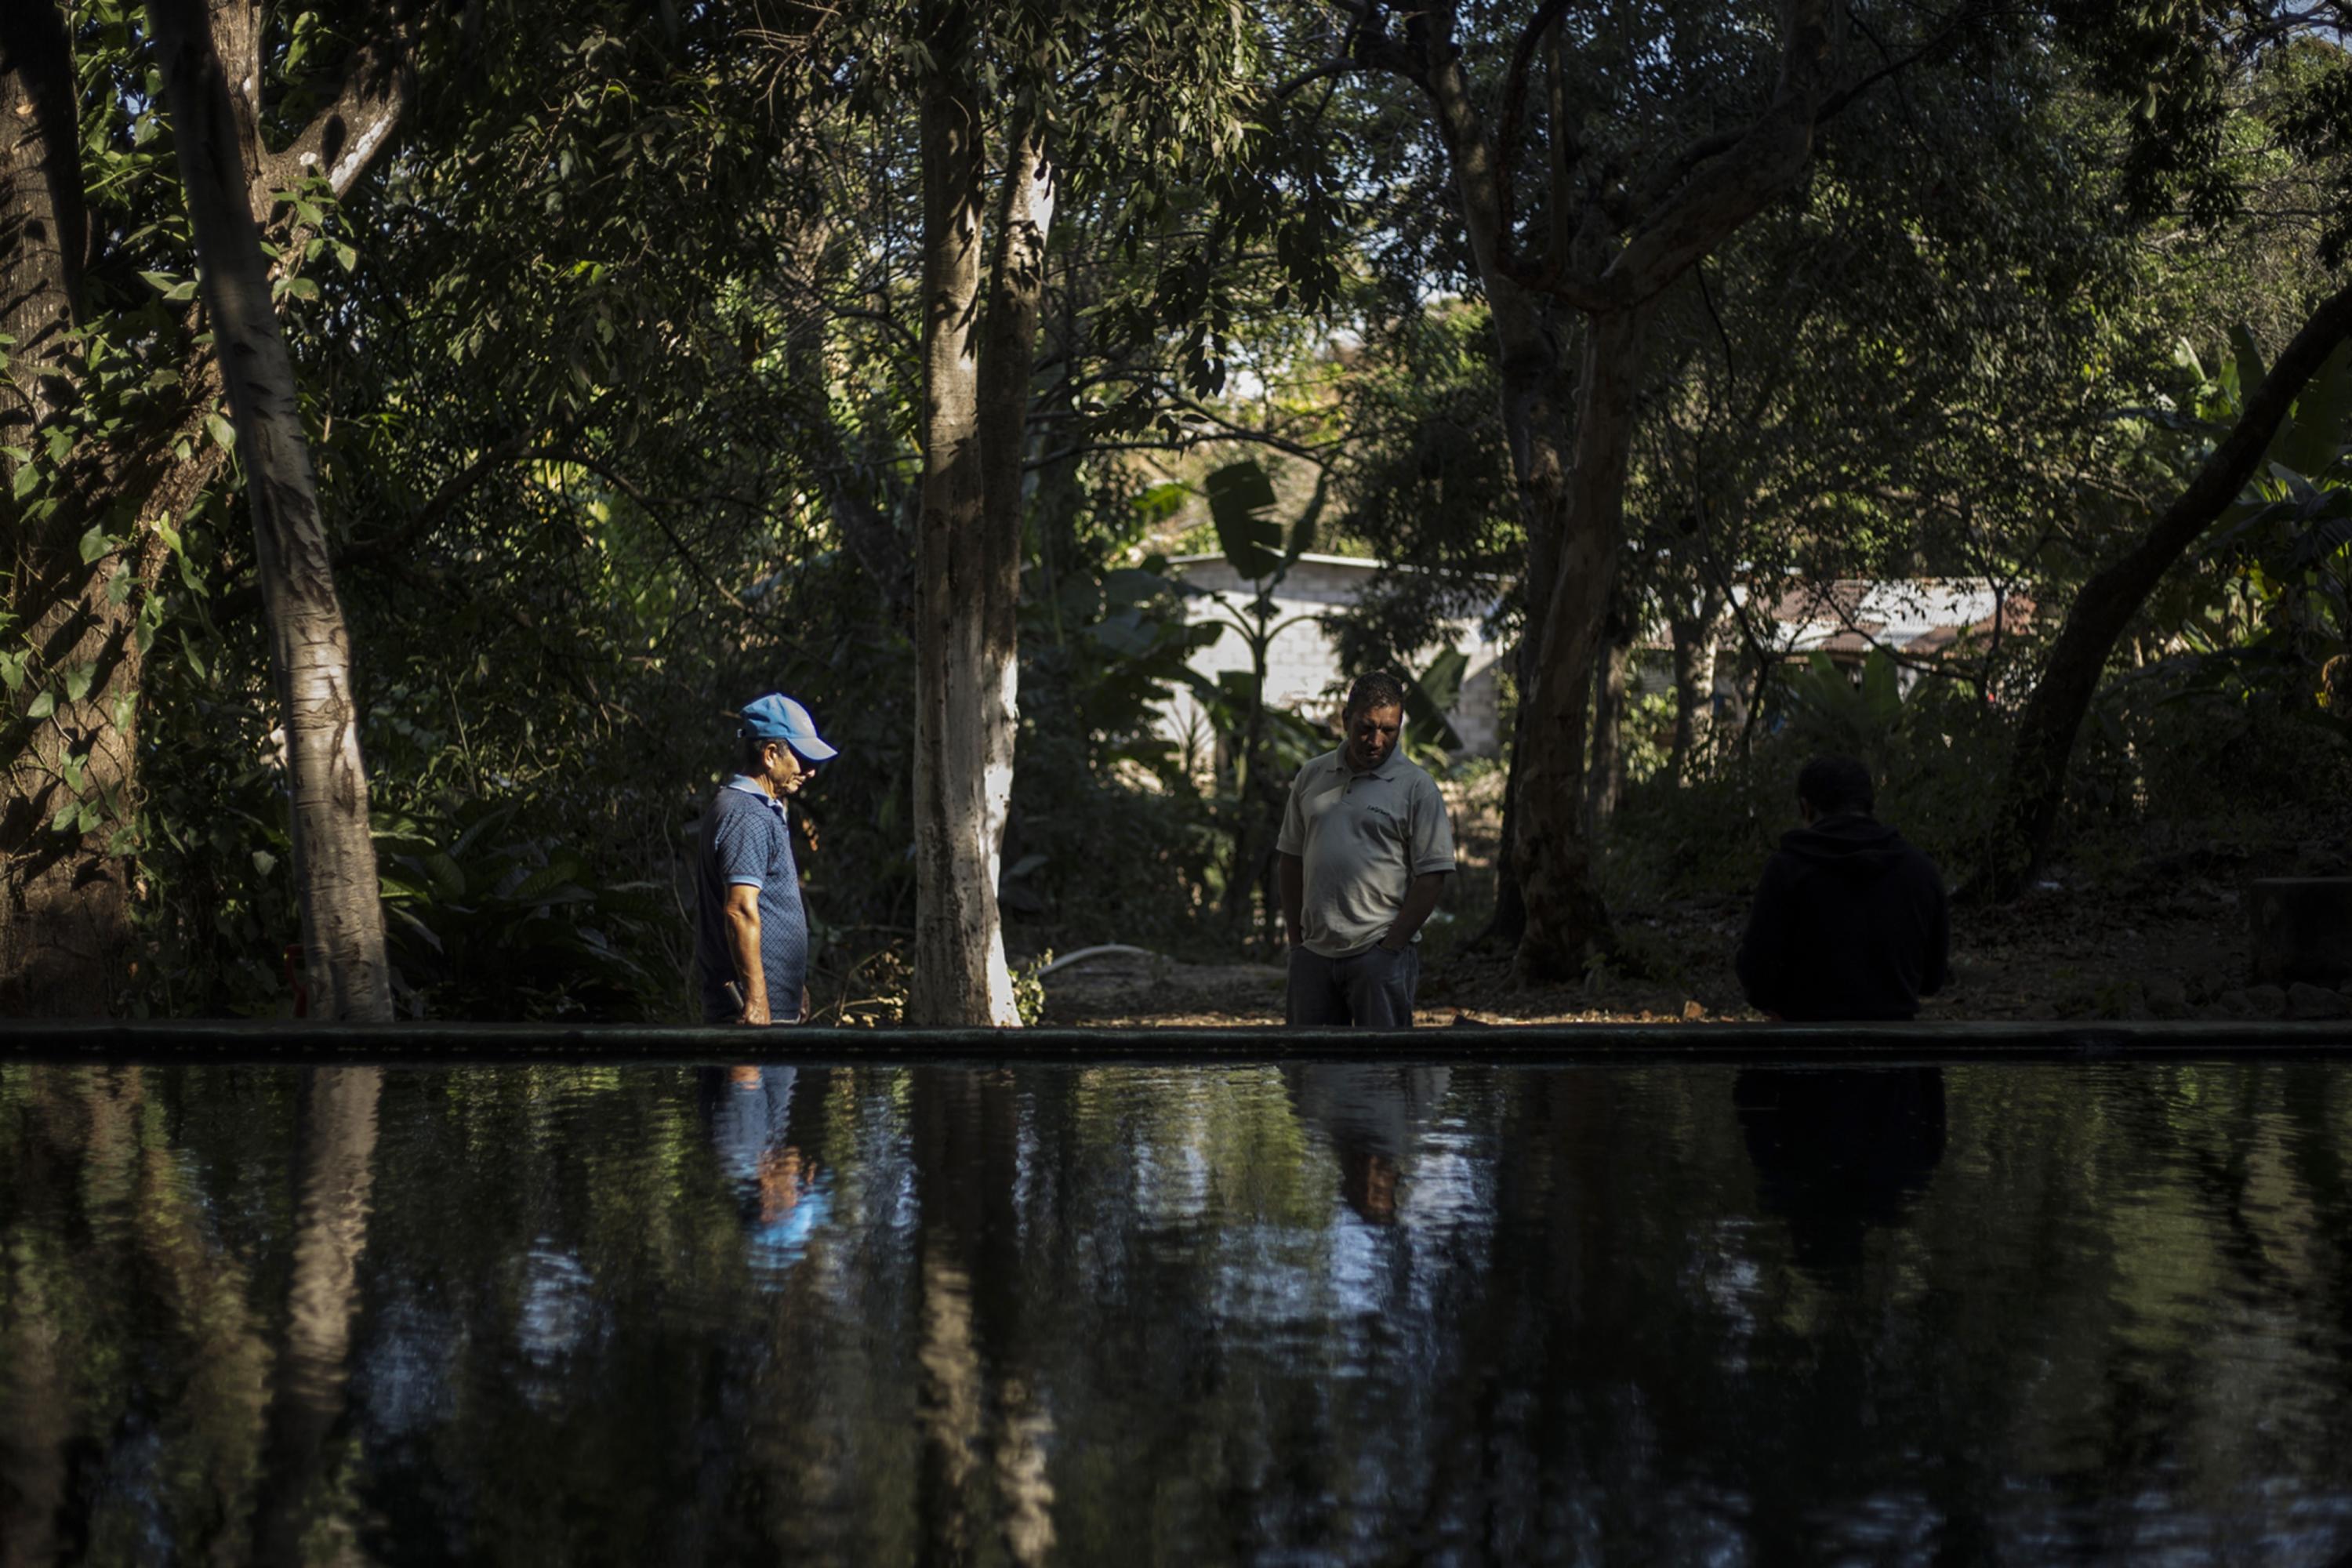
(1514, 95)
(1729, 189)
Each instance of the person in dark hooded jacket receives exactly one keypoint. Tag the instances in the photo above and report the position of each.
(1850, 921)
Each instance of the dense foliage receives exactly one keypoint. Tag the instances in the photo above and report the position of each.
(610, 372)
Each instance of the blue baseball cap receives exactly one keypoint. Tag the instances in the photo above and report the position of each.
(777, 717)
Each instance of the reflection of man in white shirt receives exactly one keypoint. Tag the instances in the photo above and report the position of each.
(1365, 850)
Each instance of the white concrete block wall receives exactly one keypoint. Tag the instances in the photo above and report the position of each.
(1303, 672)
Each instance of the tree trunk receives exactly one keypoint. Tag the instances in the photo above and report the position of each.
(43, 224)
(2036, 784)
(1535, 426)
(1565, 920)
(1606, 785)
(1573, 523)
(334, 859)
(64, 904)
(1695, 643)
(86, 623)
(968, 545)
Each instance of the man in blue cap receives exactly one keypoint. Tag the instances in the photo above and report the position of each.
(751, 929)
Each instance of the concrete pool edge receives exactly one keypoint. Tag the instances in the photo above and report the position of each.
(232, 1040)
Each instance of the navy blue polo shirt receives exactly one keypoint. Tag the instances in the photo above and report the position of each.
(746, 842)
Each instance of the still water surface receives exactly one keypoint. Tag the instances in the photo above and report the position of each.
(1312, 1314)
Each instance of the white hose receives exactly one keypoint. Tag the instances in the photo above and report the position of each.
(1070, 958)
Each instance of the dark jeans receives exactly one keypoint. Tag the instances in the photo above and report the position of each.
(1369, 990)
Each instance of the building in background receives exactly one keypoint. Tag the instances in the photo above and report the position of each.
(1303, 671)
(1916, 620)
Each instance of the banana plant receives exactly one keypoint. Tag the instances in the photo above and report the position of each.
(2288, 540)
(1262, 552)
(1836, 713)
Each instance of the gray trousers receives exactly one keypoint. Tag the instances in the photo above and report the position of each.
(1369, 990)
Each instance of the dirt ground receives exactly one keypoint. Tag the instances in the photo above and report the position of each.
(2164, 933)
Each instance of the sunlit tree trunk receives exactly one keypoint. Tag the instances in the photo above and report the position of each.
(968, 547)
(334, 859)
(1606, 786)
(1694, 644)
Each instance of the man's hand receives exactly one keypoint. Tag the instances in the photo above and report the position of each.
(1420, 900)
(755, 1011)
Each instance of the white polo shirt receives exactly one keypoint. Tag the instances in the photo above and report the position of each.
(1364, 837)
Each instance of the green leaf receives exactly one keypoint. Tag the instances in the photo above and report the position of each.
(1123, 632)
(1240, 500)
(28, 479)
(87, 818)
(78, 681)
(1302, 533)
(1881, 694)
(2248, 357)
(347, 255)
(2309, 442)
(42, 706)
(224, 434)
(447, 875)
(12, 669)
(94, 543)
(1428, 695)
(264, 861)
(302, 288)
(63, 822)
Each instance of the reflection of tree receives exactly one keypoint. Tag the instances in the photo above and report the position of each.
(124, 1325)
(293, 1521)
(1061, 1313)
(976, 1388)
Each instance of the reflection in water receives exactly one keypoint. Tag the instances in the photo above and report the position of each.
(1840, 1150)
(1371, 1114)
(777, 1187)
(1334, 1313)
(299, 1517)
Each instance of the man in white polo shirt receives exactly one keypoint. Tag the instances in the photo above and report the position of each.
(1365, 850)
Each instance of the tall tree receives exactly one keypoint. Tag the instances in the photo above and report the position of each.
(334, 859)
(104, 443)
(1571, 295)
(967, 541)
(991, 183)
(2198, 74)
